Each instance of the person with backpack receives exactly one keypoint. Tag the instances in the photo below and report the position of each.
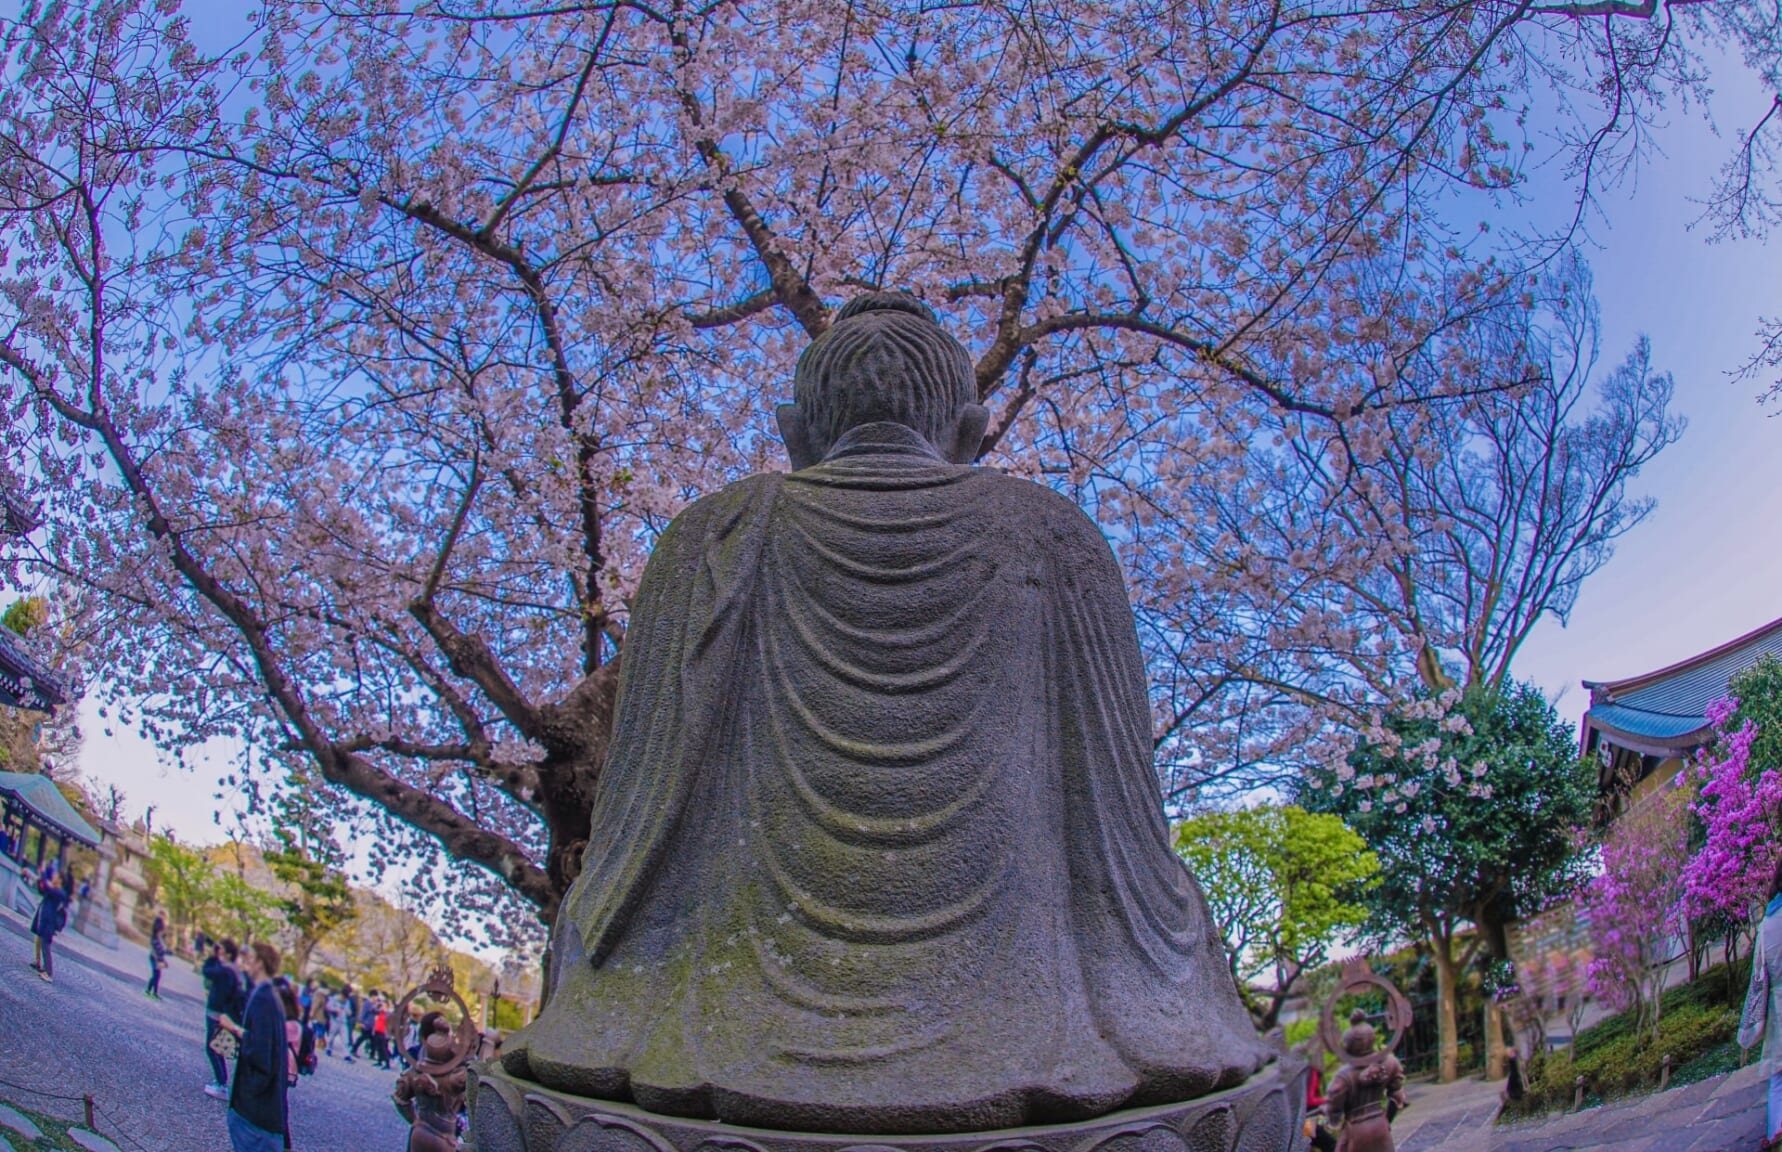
(294, 1032)
(304, 1048)
(224, 998)
(257, 1094)
(51, 918)
(319, 1004)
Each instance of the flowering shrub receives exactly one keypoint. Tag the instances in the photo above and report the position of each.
(1635, 905)
(1739, 798)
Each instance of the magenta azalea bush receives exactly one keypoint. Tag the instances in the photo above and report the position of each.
(1738, 802)
(1653, 885)
(1635, 906)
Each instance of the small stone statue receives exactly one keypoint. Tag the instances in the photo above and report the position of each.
(878, 847)
(1366, 1092)
(430, 1091)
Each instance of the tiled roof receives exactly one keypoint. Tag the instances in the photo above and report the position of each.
(25, 681)
(16, 517)
(41, 796)
(1638, 722)
(1670, 705)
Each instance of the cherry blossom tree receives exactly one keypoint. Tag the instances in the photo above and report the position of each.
(1472, 814)
(357, 366)
(1465, 522)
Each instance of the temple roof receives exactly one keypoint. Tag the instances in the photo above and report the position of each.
(1664, 713)
(46, 802)
(16, 517)
(25, 681)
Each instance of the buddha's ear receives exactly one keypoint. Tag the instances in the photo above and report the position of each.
(796, 434)
(968, 434)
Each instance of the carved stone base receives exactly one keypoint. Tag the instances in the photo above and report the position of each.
(511, 1115)
(95, 920)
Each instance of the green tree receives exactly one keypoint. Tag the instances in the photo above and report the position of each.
(242, 909)
(1475, 837)
(185, 882)
(1758, 692)
(310, 862)
(1283, 885)
(24, 614)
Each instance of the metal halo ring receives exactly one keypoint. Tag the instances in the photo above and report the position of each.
(1357, 975)
(464, 1034)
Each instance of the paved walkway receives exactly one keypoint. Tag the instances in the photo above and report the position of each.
(1439, 1111)
(126, 961)
(1724, 1114)
(93, 1030)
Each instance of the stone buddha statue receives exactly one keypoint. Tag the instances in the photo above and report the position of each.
(879, 848)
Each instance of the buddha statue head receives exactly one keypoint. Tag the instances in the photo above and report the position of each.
(886, 359)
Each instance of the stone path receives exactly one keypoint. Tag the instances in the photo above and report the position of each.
(93, 1030)
(1724, 1114)
(13, 1122)
(126, 961)
(1439, 1111)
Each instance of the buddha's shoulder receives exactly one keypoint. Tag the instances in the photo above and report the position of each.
(716, 511)
(1032, 507)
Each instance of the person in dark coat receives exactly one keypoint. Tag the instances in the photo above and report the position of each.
(157, 956)
(51, 918)
(257, 1094)
(224, 997)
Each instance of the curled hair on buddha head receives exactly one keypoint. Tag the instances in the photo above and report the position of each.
(885, 359)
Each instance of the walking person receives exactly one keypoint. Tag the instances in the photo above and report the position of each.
(338, 1006)
(1762, 1018)
(224, 998)
(380, 1033)
(257, 1095)
(51, 918)
(367, 1014)
(411, 1037)
(157, 956)
(318, 1015)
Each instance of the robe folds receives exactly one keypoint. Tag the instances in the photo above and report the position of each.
(878, 847)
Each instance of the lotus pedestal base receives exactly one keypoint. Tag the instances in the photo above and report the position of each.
(508, 1114)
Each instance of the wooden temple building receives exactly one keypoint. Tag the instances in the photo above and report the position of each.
(1642, 729)
(33, 812)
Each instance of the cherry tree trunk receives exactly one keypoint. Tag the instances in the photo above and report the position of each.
(1494, 1040)
(1447, 980)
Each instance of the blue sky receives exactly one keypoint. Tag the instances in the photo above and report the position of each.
(1706, 565)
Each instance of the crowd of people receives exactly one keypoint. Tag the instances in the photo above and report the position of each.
(311, 1020)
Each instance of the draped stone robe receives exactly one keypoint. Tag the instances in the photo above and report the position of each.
(879, 847)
